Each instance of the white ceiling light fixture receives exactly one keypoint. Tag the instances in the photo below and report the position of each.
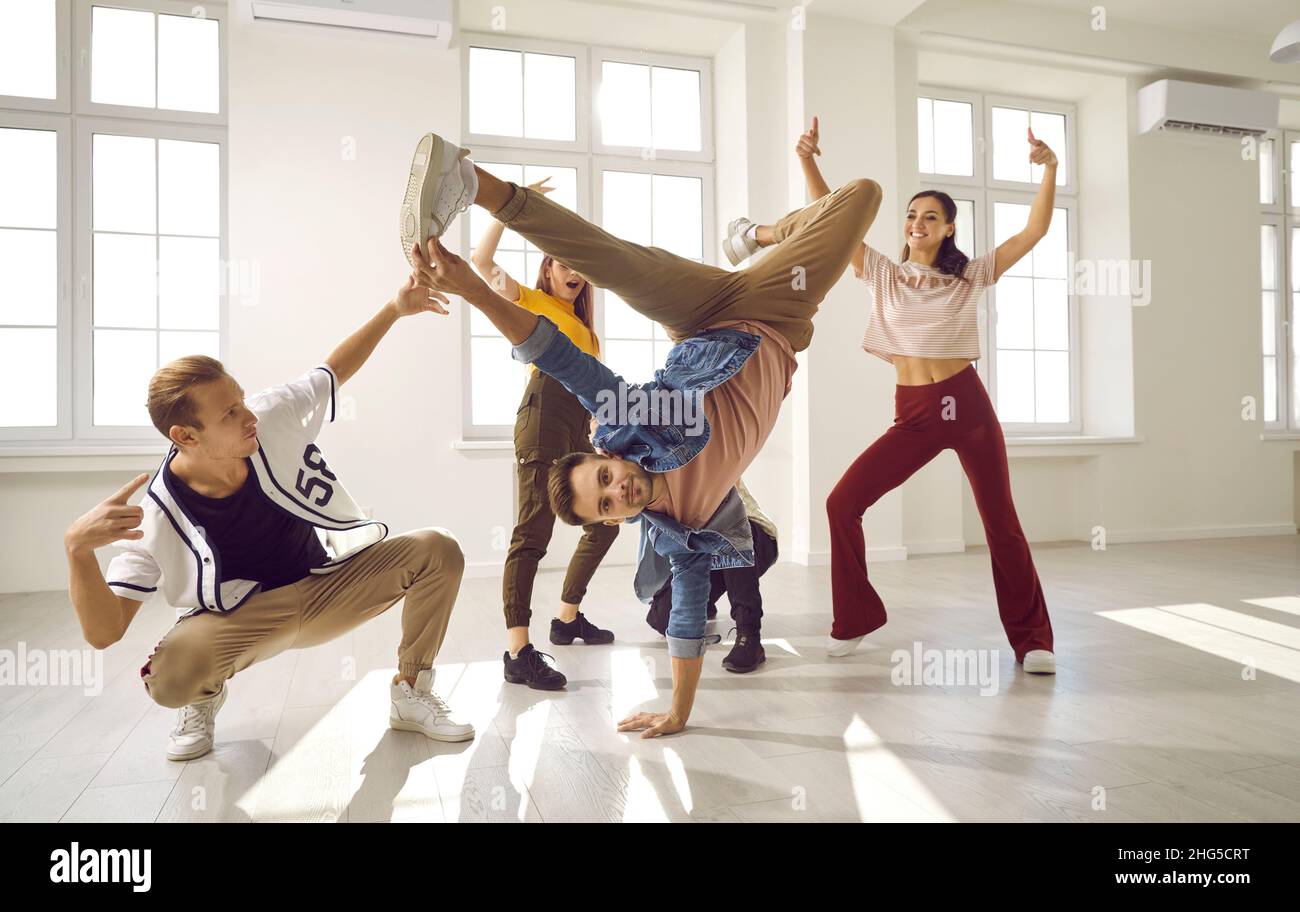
(1286, 46)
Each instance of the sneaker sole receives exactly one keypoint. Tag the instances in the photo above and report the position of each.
(400, 725)
(585, 642)
(416, 223)
(728, 247)
(515, 679)
(189, 755)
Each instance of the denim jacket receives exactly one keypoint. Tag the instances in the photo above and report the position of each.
(694, 366)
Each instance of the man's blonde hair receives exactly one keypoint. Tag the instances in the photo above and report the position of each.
(169, 391)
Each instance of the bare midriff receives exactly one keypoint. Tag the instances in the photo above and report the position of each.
(912, 371)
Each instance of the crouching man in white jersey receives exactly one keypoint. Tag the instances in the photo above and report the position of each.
(230, 529)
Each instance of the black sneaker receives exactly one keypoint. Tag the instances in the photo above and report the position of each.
(531, 668)
(563, 633)
(746, 653)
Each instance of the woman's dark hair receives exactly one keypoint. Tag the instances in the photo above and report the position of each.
(582, 308)
(950, 260)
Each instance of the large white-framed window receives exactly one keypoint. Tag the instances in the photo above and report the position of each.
(626, 137)
(1279, 258)
(113, 228)
(974, 147)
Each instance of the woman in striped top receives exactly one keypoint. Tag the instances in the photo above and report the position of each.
(923, 320)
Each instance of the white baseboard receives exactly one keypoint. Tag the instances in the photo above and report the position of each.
(1190, 533)
(936, 546)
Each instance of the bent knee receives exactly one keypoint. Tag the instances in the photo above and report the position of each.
(177, 681)
(442, 547)
(865, 187)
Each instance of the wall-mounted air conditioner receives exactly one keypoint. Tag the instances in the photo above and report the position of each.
(1193, 107)
(429, 18)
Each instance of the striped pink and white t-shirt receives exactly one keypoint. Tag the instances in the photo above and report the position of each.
(918, 311)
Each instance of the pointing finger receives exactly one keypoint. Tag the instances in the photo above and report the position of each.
(128, 489)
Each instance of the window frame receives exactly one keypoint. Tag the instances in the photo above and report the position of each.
(1022, 428)
(1280, 294)
(83, 275)
(62, 102)
(62, 128)
(987, 193)
(81, 32)
(581, 102)
(601, 54)
(1285, 218)
(589, 158)
(1069, 111)
(975, 100)
(75, 119)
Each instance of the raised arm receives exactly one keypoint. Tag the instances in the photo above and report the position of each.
(356, 349)
(484, 254)
(103, 614)
(1015, 247)
(808, 146)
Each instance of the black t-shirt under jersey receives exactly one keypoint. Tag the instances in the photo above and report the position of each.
(254, 539)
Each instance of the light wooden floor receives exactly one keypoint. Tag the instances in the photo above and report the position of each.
(1150, 718)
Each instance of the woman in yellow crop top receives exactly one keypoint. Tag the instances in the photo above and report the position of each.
(550, 423)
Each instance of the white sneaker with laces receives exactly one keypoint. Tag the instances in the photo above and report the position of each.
(738, 245)
(840, 648)
(1040, 661)
(196, 726)
(419, 709)
(441, 184)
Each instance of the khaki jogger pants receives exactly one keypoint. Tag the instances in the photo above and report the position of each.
(782, 288)
(197, 655)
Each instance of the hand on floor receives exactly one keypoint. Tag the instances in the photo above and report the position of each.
(651, 725)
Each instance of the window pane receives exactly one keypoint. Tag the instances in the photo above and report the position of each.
(29, 278)
(925, 135)
(550, 98)
(953, 144)
(1295, 259)
(964, 237)
(189, 188)
(1051, 315)
(173, 345)
(1267, 192)
(1015, 310)
(122, 57)
(1009, 219)
(1010, 145)
(625, 105)
(1268, 256)
(633, 361)
(124, 361)
(29, 179)
(27, 49)
(496, 92)
(1294, 157)
(497, 382)
(676, 109)
(1050, 128)
(29, 362)
(1015, 386)
(1270, 389)
(1052, 386)
(1050, 256)
(1268, 322)
(622, 322)
(188, 64)
(123, 183)
(125, 280)
(677, 215)
(626, 205)
(189, 283)
(480, 219)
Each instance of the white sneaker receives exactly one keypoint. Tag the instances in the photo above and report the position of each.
(196, 726)
(737, 245)
(840, 648)
(419, 709)
(440, 186)
(1040, 661)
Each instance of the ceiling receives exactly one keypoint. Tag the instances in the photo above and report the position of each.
(1251, 18)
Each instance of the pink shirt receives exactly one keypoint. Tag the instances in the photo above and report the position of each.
(741, 414)
(916, 310)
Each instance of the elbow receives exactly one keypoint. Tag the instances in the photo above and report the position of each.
(98, 639)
